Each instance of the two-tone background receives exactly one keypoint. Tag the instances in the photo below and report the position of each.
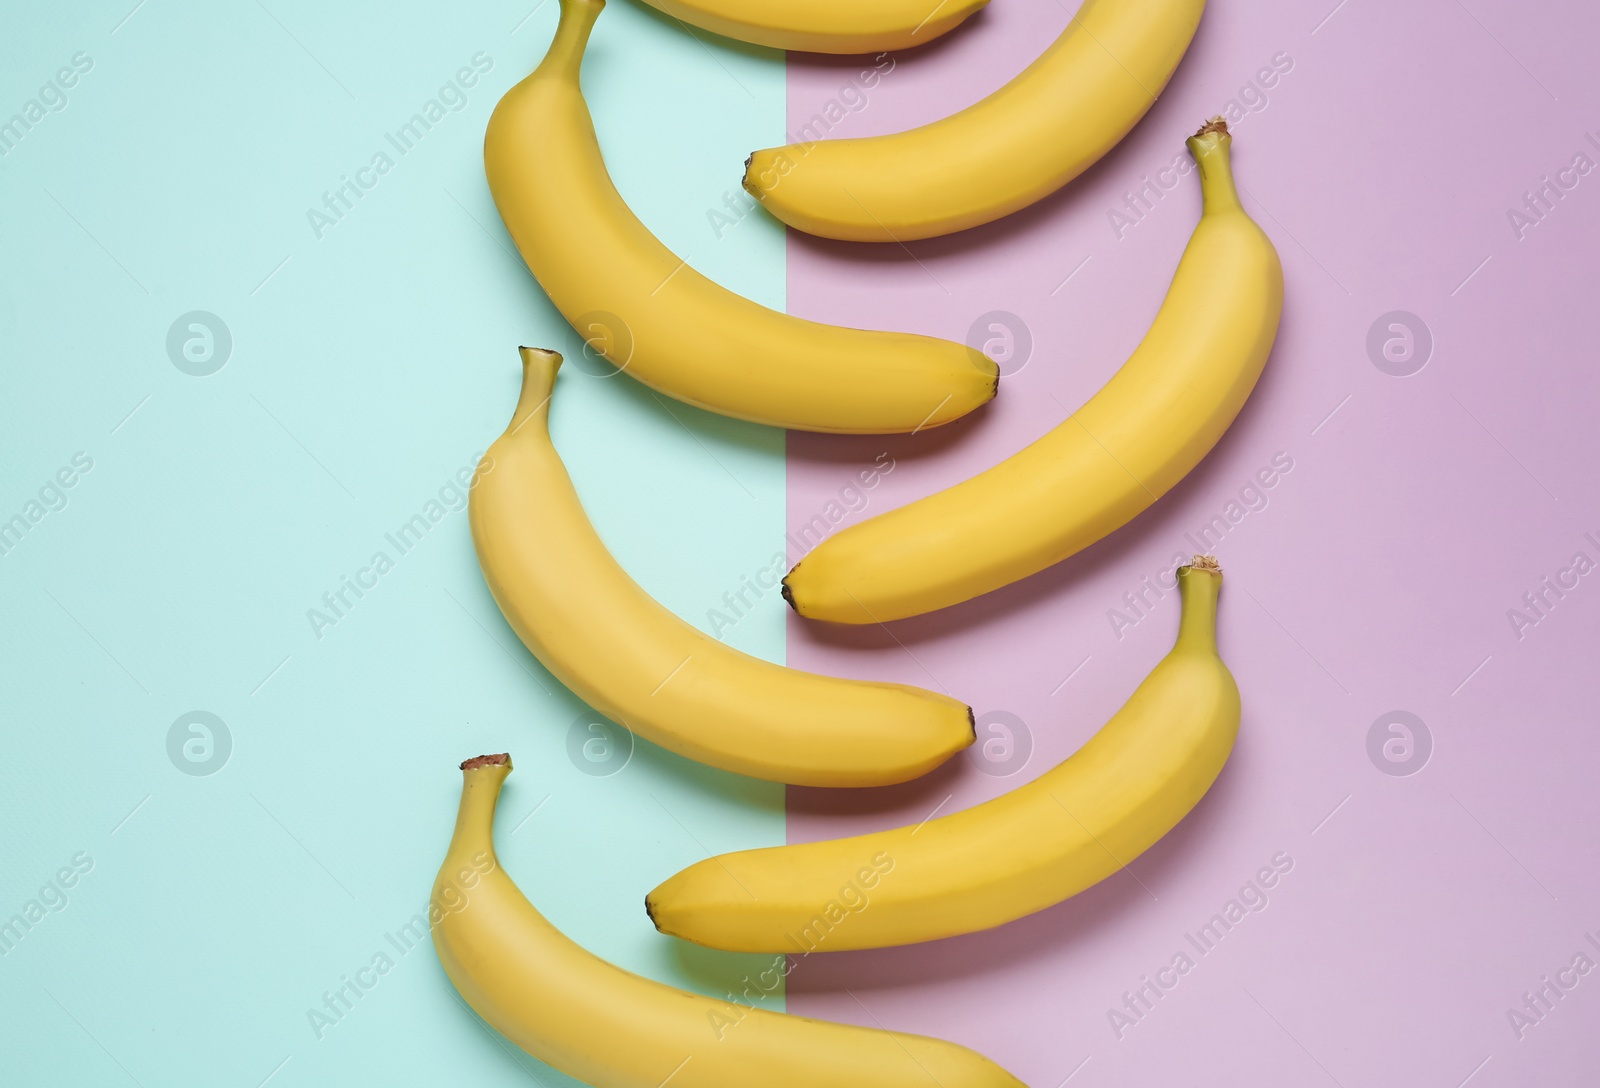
(254, 320)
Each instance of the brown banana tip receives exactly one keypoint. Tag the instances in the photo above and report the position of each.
(788, 594)
(972, 725)
(499, 759)
(1207, 563)
(1214, 124)
(650, 910)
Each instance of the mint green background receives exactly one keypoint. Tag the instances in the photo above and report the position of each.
(369, 368)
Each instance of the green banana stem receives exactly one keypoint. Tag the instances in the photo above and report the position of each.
(1211, 150)
(1198, 587)
(539, 366)
(572, 37)
(482, 777)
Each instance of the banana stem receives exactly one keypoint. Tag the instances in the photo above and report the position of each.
(1198, 588)
(481, 779)
(539, 366)
(1211, 150)
(572, 36)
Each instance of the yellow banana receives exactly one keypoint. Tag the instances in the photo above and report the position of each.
(825, 26)
(1070, 828)
(1135, 439)
(1019, 145)
(631, 659)
(666, 324)
(592, 1020)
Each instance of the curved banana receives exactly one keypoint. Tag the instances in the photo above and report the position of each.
(1019, 145)
(1070, 828)
(1133, 441)
(665, 323)
(634, 661)
(825, 26)
(610, 1028)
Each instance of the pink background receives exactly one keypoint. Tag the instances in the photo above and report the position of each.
(1377, 577)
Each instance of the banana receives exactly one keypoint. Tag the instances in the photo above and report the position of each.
(1071, 827)
(631, 659)
(647, 311)
(1015, 147)
(592, 1020)
(825, 26)
(1133, 441)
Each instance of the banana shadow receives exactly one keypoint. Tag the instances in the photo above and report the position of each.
(1073, 923)
(1159, 522)
(708, 38)
(919, 794)
(930, 52)
(854, 450)
(927, 53)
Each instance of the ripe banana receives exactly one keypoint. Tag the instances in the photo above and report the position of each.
(592, 1020)
(1071, 827)
(631, 659)
(666, 324)
(1019, 145)
(825, 26)
(1135, 439)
